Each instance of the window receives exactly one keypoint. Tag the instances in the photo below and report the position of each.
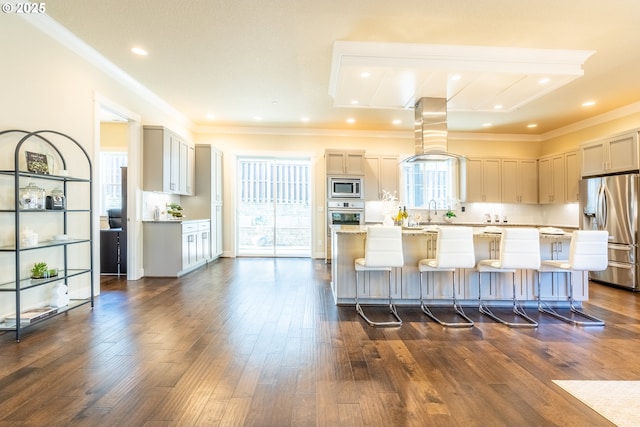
(111, 163)
(433, 179)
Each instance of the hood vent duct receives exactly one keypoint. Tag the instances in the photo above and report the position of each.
(431, 130)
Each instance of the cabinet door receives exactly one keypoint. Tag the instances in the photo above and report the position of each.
(334, 163)
(216, 185)
(191, 170)
(545, 180)
(183, 169)
(216, 231)
(552, 179)
(174, 165)
(510, 190)
(623, 153)
(572, 169)
(593, 159)
(528, 181)
(372, 190)
(354, 163)
(474, 181)
(491, 184)
(380, 174)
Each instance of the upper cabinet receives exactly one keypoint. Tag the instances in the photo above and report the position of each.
(552, 179)
(611, 155)
(344, 162)
(380, 174)
(168, 162)
(483, 180)
(572, 175)
(519, 181)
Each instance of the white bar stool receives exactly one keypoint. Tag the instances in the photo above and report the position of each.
(519, 249)
(454, 249)
(588, 251)
(383, 252)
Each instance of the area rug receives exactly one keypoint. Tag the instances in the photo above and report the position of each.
(615, 400)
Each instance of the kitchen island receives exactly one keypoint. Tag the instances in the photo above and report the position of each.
(348, 243)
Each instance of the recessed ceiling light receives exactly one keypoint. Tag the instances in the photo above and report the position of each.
(588, 103)
(257, 118)
(365, 74)
(396, 121)
(544, 80)
(274, 102)
(210, 116)
(351, 120)
(532, 125)
(456, 77)
(497, 107)
(139, 51)
(486, 125)
(354, 102)
(304, 119)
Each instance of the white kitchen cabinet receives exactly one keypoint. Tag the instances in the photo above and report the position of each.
(380, 174)
(573, 175)
(167, 162)
(483, 180)
(611, 155)
(174, 248)
(552, 179)
(519, 181)
(206, 203)
(344, 162)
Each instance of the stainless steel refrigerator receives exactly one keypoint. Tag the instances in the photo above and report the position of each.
(611, 203)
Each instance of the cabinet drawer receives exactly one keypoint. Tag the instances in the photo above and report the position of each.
(189, 227)
(203, 226)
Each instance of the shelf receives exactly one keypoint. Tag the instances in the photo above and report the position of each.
(4, 326)
(14, 284)
(43, 176)
(34, 283)
(44, 244)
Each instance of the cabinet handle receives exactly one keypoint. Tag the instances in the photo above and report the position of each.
(190, 238)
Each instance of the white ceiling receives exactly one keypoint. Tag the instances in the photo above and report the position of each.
(238, 59)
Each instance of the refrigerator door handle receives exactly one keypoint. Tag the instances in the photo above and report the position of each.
(601, 208)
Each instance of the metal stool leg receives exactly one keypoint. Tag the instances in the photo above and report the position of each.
(457, 308)
(392, 308)
(517, 309)
(545, 308)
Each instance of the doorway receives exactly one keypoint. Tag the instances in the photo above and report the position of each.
(274, 207)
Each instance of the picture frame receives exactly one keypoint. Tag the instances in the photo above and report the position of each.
(37, 163)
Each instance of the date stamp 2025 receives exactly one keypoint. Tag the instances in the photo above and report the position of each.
(24, 8)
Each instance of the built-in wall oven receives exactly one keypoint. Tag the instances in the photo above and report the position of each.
(342, 212)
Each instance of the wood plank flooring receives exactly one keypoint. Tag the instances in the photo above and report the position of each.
(259, 342)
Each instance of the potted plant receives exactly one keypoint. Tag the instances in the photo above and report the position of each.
(39, 270)
(449, 215)
(175, 210)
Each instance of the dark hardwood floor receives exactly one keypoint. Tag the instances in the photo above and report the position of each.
(259, 342)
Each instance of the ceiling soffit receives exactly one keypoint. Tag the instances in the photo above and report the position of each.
(471, 78)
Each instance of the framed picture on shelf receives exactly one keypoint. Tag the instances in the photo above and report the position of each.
(37, 163)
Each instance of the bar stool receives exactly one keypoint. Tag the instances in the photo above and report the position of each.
(519, 249)
(454, 249)
(588, 251)
(383, 252)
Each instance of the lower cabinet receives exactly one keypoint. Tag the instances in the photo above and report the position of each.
(172, 249)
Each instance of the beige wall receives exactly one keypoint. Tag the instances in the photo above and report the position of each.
(114, 136)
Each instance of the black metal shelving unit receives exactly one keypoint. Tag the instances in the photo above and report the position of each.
(65, 274)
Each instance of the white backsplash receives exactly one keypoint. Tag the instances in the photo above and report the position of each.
(565, 215)
(152, 199)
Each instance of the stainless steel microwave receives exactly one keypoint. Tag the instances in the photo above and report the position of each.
(345, 188)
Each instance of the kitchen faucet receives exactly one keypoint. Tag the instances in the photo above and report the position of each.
(435, 209)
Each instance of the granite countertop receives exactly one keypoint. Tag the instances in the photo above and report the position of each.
(173, 221)
(482, 230)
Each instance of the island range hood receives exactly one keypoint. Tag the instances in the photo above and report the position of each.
(431, 131)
